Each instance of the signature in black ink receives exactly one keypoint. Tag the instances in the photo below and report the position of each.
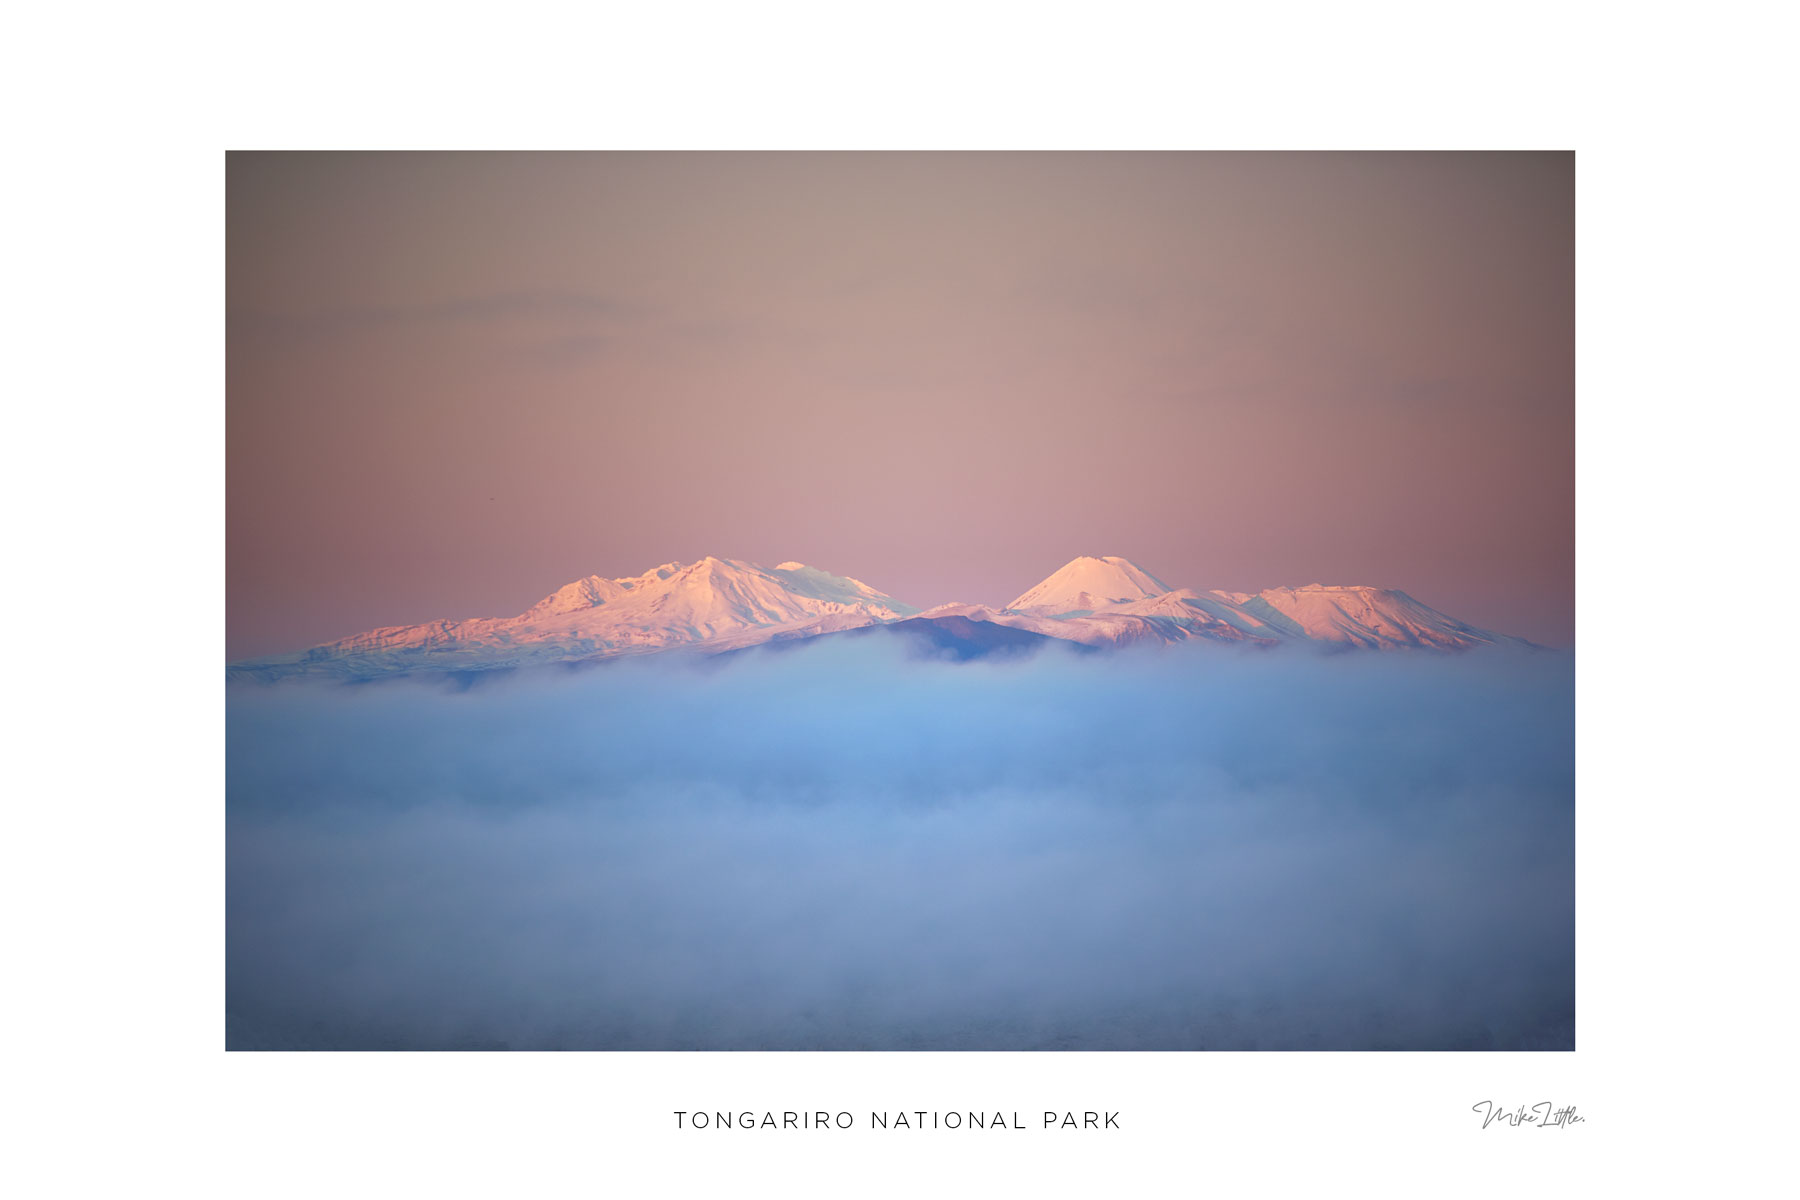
(1544, 1116)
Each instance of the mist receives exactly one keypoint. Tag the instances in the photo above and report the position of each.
(839, 846)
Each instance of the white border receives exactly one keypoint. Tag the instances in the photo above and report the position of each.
(114, 886)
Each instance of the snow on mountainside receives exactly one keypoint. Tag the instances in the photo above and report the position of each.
(1381, 618)
(717, 605)
(1088, 583)
(715, 602)
(1113, 600)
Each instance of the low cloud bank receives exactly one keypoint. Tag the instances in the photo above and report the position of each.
(837, 847)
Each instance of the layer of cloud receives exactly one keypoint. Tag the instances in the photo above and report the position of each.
(837, 847)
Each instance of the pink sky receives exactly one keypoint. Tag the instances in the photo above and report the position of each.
(456, 382)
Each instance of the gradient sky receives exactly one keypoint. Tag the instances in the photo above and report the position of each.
(458, 381)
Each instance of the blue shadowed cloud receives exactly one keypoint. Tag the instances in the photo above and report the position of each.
(841, 847)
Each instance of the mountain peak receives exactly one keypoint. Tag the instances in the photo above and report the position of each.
(591, 592)
(1087, 583)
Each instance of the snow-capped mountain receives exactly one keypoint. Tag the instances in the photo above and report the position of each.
(1102, 600)
(1113, 601)
(1088, 583)
(718, 604)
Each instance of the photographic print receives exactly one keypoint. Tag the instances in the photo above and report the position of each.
(900, 601)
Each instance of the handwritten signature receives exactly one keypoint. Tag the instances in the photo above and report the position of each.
(1544, 1116)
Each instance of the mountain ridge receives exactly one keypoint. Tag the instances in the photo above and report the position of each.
(715, 605)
